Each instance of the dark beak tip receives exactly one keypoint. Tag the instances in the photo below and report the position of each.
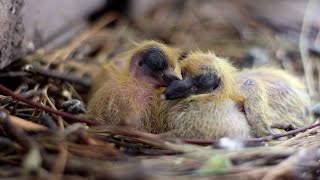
(169, 78)
(178, 89)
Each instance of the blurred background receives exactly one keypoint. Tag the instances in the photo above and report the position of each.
(250, 33)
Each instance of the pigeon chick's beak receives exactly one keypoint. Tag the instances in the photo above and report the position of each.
(178, 89)
(167, 77)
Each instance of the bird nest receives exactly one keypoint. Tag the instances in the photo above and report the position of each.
(39, 139)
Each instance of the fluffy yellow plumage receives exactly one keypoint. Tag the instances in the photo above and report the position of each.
(215, 100)
(125, 89)
(273, 96)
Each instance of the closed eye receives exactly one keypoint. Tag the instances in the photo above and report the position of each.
(207, 81)
(181, 89)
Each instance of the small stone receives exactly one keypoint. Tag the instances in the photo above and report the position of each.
(74, 106)
(316, 110)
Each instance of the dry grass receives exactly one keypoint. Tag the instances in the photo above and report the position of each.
(42, 143)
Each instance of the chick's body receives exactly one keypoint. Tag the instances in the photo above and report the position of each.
(201, 118)
(127, 92)
(272, 96)
(202, 107)
(219, 101)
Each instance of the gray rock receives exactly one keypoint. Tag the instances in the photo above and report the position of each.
(39, 21)
(11, 31)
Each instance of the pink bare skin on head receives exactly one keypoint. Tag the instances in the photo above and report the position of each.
(128, 95)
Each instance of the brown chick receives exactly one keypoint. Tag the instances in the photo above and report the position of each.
(125, 91)
(215, 100)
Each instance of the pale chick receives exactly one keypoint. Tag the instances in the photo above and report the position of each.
(126, 91)
(215, 100)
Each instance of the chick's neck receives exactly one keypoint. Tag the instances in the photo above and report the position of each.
(140, 92)
(228, 89)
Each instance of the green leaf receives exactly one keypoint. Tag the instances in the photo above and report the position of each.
(215, 165)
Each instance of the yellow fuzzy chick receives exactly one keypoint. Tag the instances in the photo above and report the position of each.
(124, 91)
(216, 100)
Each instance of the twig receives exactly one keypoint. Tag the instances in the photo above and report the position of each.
(120, 130)
(60, 120)
(253, 140)
(98, 169)
(151, 152)
(32, 93)
(104, 20)
(48, 121)
(134, 148)
(16, 131)
(294, 140)
(8, 143)
(289, 133)
(149, 138)
(287, 167)
(27, 125)
(47, 109)
(95, 151)
(201, 142)
(286, 127)
(60, 163)
(13, 74)
(53, 74)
